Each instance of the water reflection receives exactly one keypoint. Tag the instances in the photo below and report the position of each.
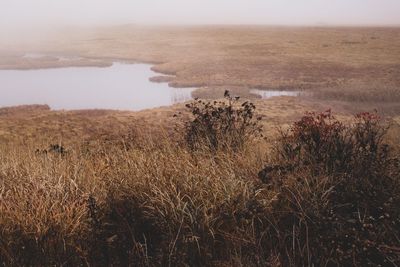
(121, 86)
(271, 93)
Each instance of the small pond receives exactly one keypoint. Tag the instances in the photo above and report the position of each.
(272, 93)
(121, 86)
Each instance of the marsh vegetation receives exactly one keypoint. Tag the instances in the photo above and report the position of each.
(230, 179)
(213, 192)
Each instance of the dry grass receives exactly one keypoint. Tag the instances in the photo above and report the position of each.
(135, 197)
(160, 189)
(46, 126)
(125, 193)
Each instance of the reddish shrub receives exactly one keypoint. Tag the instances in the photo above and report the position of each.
(321, 139)
(338, 193)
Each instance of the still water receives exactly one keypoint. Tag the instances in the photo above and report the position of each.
(121, 86)
(272, 93)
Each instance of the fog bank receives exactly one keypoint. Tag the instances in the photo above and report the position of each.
(25, 14)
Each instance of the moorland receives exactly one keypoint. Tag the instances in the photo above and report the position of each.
(117, 188)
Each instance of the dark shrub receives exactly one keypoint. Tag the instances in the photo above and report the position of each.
(338, 193)
(322, 140)
(57, 148)
(221, 124)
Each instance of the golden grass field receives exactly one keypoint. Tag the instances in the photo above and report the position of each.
(127, 193)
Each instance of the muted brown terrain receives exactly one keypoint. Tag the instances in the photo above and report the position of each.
(352, 64)
(123, 188)
(39, 124)
(346, 69)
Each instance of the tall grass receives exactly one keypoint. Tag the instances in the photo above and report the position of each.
(154, 204)
(125, 203)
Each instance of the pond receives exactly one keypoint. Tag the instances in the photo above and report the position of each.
(272, 93)
(121, 86)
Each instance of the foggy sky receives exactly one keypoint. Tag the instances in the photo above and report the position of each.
(26, 13)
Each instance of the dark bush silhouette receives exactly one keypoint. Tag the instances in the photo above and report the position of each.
(339, 190)
(53, 148)
(322, 140)
(221, 124)
(58, 149)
